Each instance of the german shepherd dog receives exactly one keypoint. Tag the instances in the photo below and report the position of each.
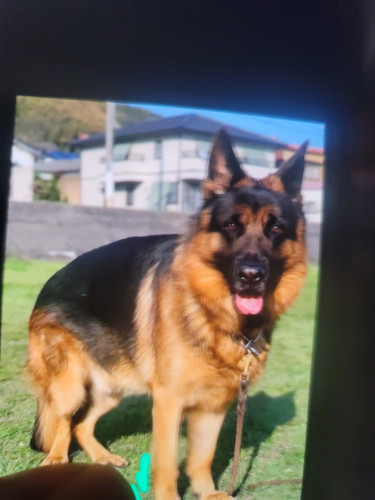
(165, 315)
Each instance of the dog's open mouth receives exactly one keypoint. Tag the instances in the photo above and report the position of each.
(248, 305)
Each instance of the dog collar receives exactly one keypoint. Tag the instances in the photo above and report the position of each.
(253, 346)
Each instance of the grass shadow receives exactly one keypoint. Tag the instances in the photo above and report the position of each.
(132, 416)
(263, 415)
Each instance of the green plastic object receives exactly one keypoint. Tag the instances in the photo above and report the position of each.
(142, 477)
(135, 491)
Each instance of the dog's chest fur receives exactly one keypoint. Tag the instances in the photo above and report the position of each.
(183, 330)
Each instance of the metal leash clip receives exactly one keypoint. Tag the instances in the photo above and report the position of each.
(254, 346)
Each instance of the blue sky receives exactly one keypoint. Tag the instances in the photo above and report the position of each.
(288, 131)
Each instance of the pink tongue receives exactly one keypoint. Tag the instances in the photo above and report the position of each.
(249, 305)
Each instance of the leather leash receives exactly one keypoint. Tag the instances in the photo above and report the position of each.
(251, 351)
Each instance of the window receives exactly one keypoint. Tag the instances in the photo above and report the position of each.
(128, 188)
(257, 157)
(158, 150)
(121, 152)
(203, 148)
(172, 194)
(192, 196)
(199, 150)
(312, 171)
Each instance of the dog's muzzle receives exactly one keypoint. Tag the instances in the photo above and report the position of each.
(250, 277)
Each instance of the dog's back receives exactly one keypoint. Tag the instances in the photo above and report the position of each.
(99, 290)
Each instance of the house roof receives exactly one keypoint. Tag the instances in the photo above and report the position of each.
(61, 155)
(189, 123)
(36, 152)
(58, 166)
(311, 150)
(45, 149)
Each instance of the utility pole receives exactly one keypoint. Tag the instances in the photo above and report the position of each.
(109, 180)
(161, 178)
(160, 190)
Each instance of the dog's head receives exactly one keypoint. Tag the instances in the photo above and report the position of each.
(254, 228)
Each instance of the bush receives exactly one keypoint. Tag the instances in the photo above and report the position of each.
(46, 189)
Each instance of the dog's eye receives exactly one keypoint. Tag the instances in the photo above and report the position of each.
(276, 229)
(230, 226)
(274, 226)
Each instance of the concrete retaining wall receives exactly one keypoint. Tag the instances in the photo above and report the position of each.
(57, 230)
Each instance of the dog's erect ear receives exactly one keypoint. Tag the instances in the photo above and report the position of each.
(224, 169)
(291, 171)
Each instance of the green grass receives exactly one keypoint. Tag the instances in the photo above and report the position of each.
(275, 421)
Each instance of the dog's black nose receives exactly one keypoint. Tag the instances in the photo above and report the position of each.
(251, 275)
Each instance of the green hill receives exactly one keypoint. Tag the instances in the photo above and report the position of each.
(40, 120)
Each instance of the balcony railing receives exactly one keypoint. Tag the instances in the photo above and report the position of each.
(129, 157)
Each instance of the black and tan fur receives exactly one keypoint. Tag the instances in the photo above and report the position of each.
(157, 315)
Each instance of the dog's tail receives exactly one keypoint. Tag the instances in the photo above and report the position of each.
(39, 377)
(44, 429)
(34, 441)
(57, 371)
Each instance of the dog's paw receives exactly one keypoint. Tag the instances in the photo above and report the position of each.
(55, 460)
(111, 459)
(217, 495)
(166, 496)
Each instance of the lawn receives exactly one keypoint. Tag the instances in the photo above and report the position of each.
(275, 421)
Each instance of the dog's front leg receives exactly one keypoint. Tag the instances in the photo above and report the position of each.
(203, 431)
(166, 418)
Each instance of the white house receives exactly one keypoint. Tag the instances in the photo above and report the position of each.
(160, 164)
(23, 158)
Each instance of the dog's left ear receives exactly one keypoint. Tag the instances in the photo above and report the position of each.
(291, 171)
(224, 169)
